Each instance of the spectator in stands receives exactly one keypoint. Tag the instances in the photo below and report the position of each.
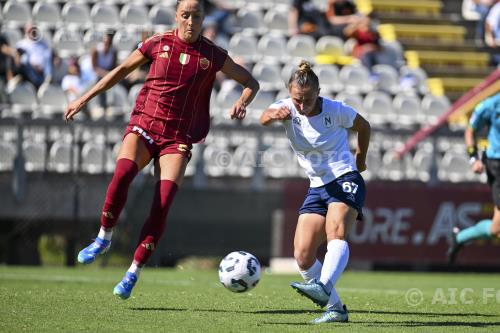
(485, 116)
(477, 10)
(72, 82)
(171, 113)
(211, 31)
(305, 18)
(217, 12)
(317, 130)
(35, 56)
(59, 68)
(7, 56)
(104, 59)
(342, 14)
(492, 31)
(140, 73)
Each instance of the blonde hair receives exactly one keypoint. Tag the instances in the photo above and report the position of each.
(304, 76)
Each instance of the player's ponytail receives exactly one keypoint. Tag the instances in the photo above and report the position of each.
(304, 76)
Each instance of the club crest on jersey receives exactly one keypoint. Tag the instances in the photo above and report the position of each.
(184, 58)
(296, 121)
(204, 63)
(327, 120)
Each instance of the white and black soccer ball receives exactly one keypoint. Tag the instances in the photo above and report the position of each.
(239, 271)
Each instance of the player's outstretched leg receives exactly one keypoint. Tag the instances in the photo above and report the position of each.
(151, 233)
(482, 230)
(116, 196)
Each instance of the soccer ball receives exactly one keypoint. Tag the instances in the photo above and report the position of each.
(239, 271)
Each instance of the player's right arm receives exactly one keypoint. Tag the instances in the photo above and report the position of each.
(272, 114)
(133, 61)
(470, 141)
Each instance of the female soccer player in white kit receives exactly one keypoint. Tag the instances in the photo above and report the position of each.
(317, 129)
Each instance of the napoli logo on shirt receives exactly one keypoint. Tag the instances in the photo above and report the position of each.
(327, 121)
(204, 63)
(296, 121)
(184, 58)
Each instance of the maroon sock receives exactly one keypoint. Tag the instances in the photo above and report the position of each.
(153, 229)
(116, 195)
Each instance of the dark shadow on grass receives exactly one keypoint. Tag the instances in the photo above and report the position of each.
(294, 311)
(429, 323)
(436, 314)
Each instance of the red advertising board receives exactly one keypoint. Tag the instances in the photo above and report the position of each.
(408, 223)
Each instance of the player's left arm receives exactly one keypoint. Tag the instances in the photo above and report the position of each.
(243, 77)
(362, 126)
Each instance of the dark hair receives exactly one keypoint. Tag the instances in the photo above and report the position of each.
(201, 2)
(304, 76)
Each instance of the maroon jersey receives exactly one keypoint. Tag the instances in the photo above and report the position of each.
(174, 101)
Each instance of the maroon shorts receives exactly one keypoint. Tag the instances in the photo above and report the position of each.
(158, 145)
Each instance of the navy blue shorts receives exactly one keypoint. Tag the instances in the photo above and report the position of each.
(348, 188)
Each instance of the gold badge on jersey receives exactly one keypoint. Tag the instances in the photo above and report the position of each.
(184, 58)
(204, 63)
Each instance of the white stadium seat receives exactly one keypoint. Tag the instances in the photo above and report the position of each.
(356, 78)
(378, 107)
(52, 100)
(328, 76)
(7, 155)
(105, 15)
(16, 13)
(273, 47)
(434, 106)
(276, 19)
(60, 156)
(162, 15)
(387, 78)
(243, 46)
(135, 15)
(302, 47)
(76, 14)
(251, 20)
(68, 42)
(46, 13)
(268, 76)
(331, 45)
(34, 154)
(407, 108)
(22, 97)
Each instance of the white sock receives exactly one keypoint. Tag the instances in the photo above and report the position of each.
(135, 269)
(336, 258)
(334, 301)
(105, 234)
(312, 272)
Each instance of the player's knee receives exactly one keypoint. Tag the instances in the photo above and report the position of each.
(335, 231)
(304, 258)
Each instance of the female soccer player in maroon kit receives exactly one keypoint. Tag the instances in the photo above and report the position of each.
(171, 113)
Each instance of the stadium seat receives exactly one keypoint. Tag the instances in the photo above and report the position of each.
(95, 158)
(134, 92)
(422, 8)
(118, 105)
(217, 160)
(330, 45)
(455, 167)
(34, 155)
(373, 163)
(22, 97)
(378, 108)
(272, 47)
(125, 41)
(160, 15)
(52, 101)
(76, 14)
(134, 15)
(261, 102)
(356, 78)
(354, 100)
(434, 106)
(68, 42)
(279, 162)
(407, 108)
(16, 13)
(422, 32)
(104, 15)
(387, 78)
(244, 46)
(287, 71)
(7, 155)
(245, 157)
(92, 37)
(392, 168)
(60, 156)
(276, 19)
(421, 164)
(328, 76)
(251, 20)
(302, 47)
(268, 75)
(46, 13)
(13, 35)
(282, 94)
(413, 78)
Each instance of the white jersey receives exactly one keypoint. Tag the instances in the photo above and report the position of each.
(321, 141)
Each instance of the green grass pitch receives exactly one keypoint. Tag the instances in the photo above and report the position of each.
(81, 300)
